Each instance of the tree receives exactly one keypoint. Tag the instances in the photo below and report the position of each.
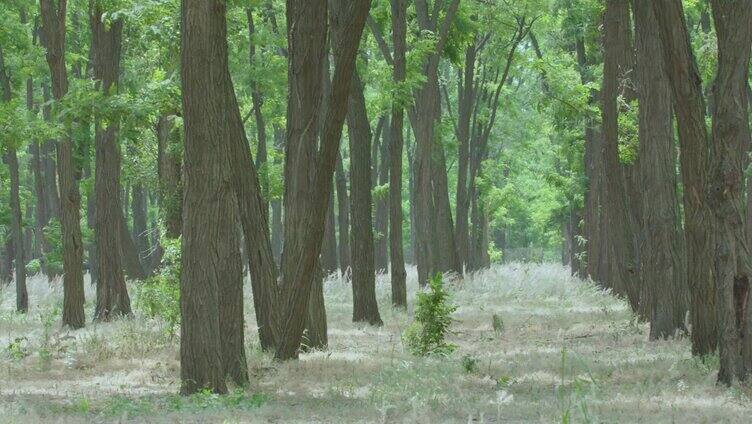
(397, 259)
(11, 159)
(112, 295)
(365, 308)
(53, 38)
(689, 107)
(617, 66)
(730, 139)
(662, 262)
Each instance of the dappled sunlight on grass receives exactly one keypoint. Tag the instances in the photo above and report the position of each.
(565, 348)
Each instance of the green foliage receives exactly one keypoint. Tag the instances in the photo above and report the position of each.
(159, 296)
(54, 237)
(498, 324)
(33, 267)
(469, 364)
(18, 348)
(433, 316)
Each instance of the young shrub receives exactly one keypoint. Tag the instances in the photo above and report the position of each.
(159, 296)
(427, 334)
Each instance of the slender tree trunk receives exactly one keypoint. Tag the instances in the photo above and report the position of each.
(169, 163)
(53, 38)
(662, 267)
(689, 107)
(365, 307)
(343, 217)
(397, 260)
(6, 261)
(139, 210)
(466, 94)
(381, 214)
(329, 248)
(731, 136)
(16, 223)
(258, 102)
(617, 67)
(112, 295)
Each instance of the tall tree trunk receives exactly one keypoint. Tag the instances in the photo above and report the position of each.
(53, 38)
(381, 214)
(343, 217)
(139, 210)
(466, 94)
(397, 259)
(16, 223)
(329, 247)
(230, 285)
(689, 107)
(112, 295)
(365, 307)
(203, 73)
(731, 136)
(258, 102)
(616, 68)
(348, 20)
(662, 270)
(169, 170)
(49, 167)
(435, 240)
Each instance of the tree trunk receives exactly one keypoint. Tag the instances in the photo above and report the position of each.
(397, 260)
(347, 20)
(53, 38)
(16, 223)
(169, 163)
(203, 77)
(112, 295)
(731, 136)
(689, 106)
(617, 66)
(329, 247)
(230, 285)
(343, 217)
(662, 267)
(381, 215)
(49, 167)
(258, 102)
(365, 307)
(139, 210)
(466, 94)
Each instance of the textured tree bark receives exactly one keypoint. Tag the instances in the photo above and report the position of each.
(347, 21)
(689, 107)
(617, 65)
(230, 282)
(397, 259)
(53, 38)
(112, 295)
(204, 80)
(466, 93)
(258, 101)
(435, 241)
(6, 261)
(381, 214)
(731, 136)
(663, 275)
(329, 246)
(128, 252)
(365, 307)
(16, 224)
(169, 170)
(307, 41)
(343, 217)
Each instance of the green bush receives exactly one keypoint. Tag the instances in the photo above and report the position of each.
(427, 334)
(159, 296)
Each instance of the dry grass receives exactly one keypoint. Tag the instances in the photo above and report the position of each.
(568, 353)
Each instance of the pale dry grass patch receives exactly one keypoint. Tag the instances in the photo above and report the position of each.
(569, 351)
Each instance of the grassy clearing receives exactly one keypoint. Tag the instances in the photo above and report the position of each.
(559, 350)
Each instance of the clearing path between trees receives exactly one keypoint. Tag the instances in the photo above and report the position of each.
(559, 350)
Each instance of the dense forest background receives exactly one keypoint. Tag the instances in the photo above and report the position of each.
(161, 152)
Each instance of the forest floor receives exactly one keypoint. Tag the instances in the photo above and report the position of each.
(569, 352)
